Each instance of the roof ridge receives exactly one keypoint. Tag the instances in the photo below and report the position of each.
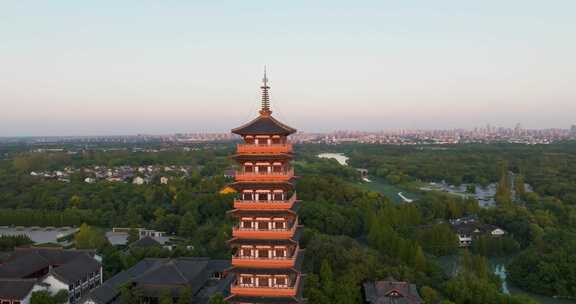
(179, 272)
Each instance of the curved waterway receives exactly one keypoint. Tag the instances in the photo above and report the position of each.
(376, 184)
(339, 157)
(498, 266)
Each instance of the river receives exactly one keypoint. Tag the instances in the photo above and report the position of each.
(375, 184)
(339, 157)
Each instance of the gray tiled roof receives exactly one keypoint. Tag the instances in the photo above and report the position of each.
(391, 292)
(154, 275)
(16, 289)
(76, 269)
(146, 242)
(26, 261)
(264, 125)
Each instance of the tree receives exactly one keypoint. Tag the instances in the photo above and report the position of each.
(188, 225)
(429, 295)
(89, 238)
(165, 297)
(326, 278)
(503, 195)
(133, 235)
(129, 294)
(217, 299)
(519, 187)
(439, 240)
(45, 297)
(419, 259)
(185, 296)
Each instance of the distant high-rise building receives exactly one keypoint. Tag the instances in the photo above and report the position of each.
(518, 129)
(573, 131)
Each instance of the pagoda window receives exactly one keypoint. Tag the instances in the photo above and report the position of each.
(276, 140)
(262, 253)
(246, 280)
(262, 169)
(277, 168)
(279, 225)
(278, 196)
(249, 140)
(263, 282)
(280, 253)
(281, 281)
(246, 252)
(248, 168)
(247, 224)
(263, 225)
(262, 196)
(247, 196)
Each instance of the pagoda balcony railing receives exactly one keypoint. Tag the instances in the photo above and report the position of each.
(267, 233)
(264, 262)
(264, 148)
(264, 176)
(288, 290)
(265, 204)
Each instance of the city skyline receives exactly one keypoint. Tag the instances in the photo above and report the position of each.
(145, 68)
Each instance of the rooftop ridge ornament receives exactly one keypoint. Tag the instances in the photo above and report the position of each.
(265, 111)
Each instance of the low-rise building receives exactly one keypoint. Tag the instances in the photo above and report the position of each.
(391, 291)
(53, 269)
(151, 277)
(119, 236)
(468, 230)
(18, 291)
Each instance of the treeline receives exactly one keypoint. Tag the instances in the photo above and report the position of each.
(33, 217)
(353, 236)
(8, 242)
(533, 221)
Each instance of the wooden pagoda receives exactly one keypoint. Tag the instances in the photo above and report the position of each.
(266, 256)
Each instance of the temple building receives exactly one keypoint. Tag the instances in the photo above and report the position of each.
(266, 257)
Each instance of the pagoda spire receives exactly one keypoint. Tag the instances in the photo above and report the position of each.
(265, 111)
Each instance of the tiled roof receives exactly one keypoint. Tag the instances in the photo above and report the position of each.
(26, 261)
(146, 242)
(77, 269)
(293, 241)
(15, 289)
(264, 125)
(391, 292)
(239, 186)
(270, 213)
(154, 275)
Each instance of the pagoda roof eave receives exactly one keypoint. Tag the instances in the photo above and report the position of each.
(264, 125)
(272, 212)
(263, 156)
(247, 185)
(292, 241)
(267, 300)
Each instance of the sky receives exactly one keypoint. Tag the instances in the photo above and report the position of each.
(160, 67)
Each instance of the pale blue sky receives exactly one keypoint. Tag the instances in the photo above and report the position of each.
(126, 67)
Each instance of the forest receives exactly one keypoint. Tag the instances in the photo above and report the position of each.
(351, 234)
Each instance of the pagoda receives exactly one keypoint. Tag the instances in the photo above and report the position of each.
(266, 257)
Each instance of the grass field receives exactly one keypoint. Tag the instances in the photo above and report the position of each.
(390, 191)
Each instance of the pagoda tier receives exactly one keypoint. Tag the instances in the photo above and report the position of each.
(254, 186)
(266, 256)
(292, 241)
(286, 212)
(267, 281)
(265, 200)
